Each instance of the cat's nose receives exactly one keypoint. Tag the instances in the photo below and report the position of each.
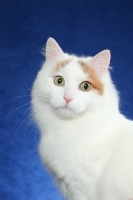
(68, 99)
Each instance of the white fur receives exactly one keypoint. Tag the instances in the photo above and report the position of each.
(88, 145)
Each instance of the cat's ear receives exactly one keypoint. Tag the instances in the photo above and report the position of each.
(101, 62)
(53, 51)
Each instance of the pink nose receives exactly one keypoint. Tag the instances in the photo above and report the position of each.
(67, 99)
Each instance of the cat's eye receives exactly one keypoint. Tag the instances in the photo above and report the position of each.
(59, 81)
(85, 86)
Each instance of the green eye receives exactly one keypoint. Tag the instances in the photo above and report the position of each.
(59, 81)
(85, 86)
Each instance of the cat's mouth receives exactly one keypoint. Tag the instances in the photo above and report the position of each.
(66, 107)
(65, 111)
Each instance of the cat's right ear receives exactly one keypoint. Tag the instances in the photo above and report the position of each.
(53, 51)
(101, 62)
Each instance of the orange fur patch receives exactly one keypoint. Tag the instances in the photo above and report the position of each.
(61, 64)
(92, 76)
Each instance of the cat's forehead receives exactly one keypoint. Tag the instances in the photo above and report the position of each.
(80, 69)
(71, 71)
(72, 67)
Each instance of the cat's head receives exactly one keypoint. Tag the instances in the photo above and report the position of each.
(68, 84)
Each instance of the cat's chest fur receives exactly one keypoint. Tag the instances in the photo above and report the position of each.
(75, 151)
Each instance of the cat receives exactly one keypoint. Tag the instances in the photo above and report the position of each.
(86, 143)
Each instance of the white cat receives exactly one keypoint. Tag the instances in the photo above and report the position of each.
(85, 142)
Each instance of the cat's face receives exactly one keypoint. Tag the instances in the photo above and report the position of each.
(68, 90)
(68, 85)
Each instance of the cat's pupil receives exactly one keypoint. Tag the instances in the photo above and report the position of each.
(59, 81)
(85, 86)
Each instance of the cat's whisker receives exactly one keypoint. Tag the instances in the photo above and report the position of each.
(19, 128)
(39, 120)
(14, 98)
(28, 87)
(123, 102)
(27, 127)
(23, 122)
(17, 109)
(36, 133)
(37, 129)
(26, 110)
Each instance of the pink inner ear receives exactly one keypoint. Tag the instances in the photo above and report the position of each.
(101, 62)
(53, 51)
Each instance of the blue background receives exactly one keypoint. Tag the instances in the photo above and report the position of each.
(84, 27)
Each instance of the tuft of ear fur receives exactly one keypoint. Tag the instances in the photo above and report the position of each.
(100, 62)
(53, 50)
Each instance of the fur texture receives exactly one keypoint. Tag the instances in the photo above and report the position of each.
(85, 142)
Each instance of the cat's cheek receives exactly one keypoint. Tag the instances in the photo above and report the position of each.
(57, 103)
(52, 80)
(76, 107)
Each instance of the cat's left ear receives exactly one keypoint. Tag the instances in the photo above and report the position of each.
(100, 62)
(53, 51)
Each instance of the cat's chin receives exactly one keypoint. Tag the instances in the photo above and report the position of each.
(66, 113)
